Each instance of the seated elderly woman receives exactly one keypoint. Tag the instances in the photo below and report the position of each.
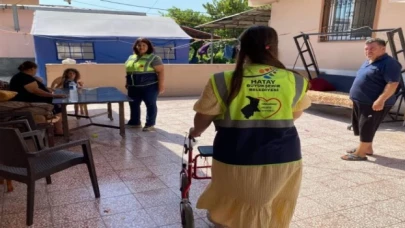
(31, 89)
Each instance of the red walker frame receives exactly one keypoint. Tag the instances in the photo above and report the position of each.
(190, 169)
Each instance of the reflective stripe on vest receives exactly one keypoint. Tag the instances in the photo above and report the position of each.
(147, 70)
(147, 63)
(226, 120)
(299, 88)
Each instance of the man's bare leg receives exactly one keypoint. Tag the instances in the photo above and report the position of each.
(364, 149)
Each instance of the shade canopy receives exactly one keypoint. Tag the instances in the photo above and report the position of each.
(245, 19)
(74, 24)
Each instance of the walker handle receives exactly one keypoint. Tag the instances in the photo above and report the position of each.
(189, 132)
(191, 140)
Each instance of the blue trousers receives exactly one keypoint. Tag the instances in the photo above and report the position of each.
(147, 94)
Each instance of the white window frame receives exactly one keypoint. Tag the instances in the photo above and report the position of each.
(75, 50)
(166, 51)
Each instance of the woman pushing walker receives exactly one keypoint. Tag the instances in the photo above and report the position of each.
(257, 168)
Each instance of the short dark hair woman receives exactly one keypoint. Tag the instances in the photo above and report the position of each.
(30, 89)
(256, 167)
(144, 81)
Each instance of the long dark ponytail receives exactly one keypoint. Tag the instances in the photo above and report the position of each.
(258, 45)
(237, 77)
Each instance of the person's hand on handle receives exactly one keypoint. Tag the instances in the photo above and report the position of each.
(193, 133)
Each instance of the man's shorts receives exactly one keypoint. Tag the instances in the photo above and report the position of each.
(366, 121)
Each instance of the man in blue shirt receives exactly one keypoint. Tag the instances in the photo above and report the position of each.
(373, 95)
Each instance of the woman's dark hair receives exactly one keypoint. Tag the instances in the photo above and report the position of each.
(66, 72)
(27, 65)
(260, 45)
(147, 42)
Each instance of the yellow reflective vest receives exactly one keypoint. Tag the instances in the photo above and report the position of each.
(257, 128)
(139, 71)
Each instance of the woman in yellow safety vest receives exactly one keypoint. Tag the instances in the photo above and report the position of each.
(144, 81)
(257, 168)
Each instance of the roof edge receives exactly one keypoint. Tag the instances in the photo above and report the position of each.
(71, 9)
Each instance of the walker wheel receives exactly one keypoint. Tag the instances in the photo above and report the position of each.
(187, 216)
(349, 127)
(184, 183)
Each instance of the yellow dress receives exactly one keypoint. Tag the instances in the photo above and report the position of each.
(250, 196)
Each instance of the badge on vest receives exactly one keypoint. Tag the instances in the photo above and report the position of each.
(267, 107)
(262, 86)
(269, 71)
(264, 83)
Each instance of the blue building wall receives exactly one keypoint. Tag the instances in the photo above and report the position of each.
(106, 50)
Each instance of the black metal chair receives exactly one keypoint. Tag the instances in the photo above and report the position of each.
(18, 164)
(15, 116)
(24, 121)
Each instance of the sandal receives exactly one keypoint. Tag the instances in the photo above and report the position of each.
(353, 157)
(352, 151)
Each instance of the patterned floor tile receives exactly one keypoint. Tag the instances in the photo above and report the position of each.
(42, 219)
(138, 176)
(118, 204)
(145, 184)
(75, 212)
(134, 219)
(91, 223)
(159, 197)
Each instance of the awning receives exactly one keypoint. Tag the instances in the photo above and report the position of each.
(240, 20)
(197, 34)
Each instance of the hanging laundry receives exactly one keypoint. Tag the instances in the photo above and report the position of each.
(194, 58)
(228, 52)
(234, 52)
(203, 50)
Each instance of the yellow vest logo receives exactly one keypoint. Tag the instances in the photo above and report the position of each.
(267, 107)
(264, 96)
(269, 70)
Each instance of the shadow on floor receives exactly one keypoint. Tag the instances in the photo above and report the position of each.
(344, 115)
(103, 119)
(330, 112)
(393, 163)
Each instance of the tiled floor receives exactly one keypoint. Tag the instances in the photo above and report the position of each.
(138, 177)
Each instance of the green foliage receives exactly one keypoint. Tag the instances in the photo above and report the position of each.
(265, 7)
(222, 8)
(215, 10)
(186, 17)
